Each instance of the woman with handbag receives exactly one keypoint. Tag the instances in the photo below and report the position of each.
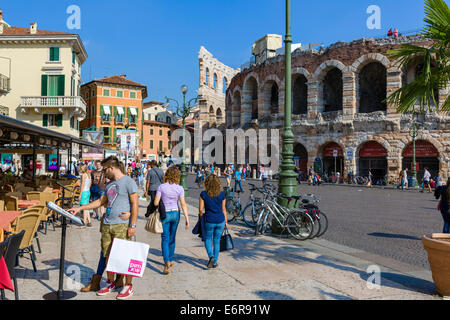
(213, 201)
(170, 192)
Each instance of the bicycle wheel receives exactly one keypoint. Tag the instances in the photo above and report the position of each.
(313, 212)
(250, 214)
(262, 218)
(231, 210)
(300, 225)
(323, 223)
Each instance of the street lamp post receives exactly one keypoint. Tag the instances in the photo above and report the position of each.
(288, 182)
(413, 132)
(183, 112)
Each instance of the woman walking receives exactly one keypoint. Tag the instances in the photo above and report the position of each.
(85, 194)
(213, 200)
(170, 193)
(443, 192)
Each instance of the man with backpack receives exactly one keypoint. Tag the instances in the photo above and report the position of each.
(155, 177)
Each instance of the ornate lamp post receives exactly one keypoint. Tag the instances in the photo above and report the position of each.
(183, 112)
(413, 132)
(288, 182)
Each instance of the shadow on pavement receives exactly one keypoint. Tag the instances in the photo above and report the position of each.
(390, 235)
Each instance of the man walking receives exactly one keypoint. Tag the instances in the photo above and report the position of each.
(426, 180)
(405, 179)
(238, 179)
(120, 198)
(155, 177)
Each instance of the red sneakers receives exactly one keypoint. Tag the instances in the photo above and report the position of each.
(126, 292)
(106, 290)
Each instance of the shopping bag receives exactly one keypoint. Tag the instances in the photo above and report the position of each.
(128, 258)
(226, 242)
(153, 224)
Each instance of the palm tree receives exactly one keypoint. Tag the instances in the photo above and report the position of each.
(434, 71)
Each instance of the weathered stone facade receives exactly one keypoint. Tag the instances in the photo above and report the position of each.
(336, 99)
(214, 80)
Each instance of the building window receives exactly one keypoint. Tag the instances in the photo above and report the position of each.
(93, 93)
(87, 95)
(151, 144)
(160, 145)
(160, 132)
(72, 122)
(107, 134)
(169, 145)
(52, 86)
(168, 119)
(105, 93)
(151, 132)
(93, 110)
(132, 95)
(54, 54)
(119, 94)
(52, 120)
(169, 133)
(73, 57)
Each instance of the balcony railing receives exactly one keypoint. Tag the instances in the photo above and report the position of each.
(5, 84)
(54, 102)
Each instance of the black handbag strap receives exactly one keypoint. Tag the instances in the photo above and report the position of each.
(225, 231)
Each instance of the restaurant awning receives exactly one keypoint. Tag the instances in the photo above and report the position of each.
(17, 132)
(120, 110)
(133, 111)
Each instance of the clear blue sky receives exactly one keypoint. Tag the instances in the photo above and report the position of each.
(156, 42)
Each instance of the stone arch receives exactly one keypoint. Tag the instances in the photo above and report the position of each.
(362, 61)
(229, 109)
(270, 100)
(299, 94)
(237, 107)
(321, 71)
(302, 71)
(371, 87)
(212, 114)
(219, 116)
(249, 111)
(207, 75)
(329, 79)
(428, 154)
(215, 84)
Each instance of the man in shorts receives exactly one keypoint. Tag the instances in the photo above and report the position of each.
(426, 180)
(120, 198)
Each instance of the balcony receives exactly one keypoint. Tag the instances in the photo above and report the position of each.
(5, 84)
(76, 105)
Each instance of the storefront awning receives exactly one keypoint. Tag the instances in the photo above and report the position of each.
(106, 110)
(120, 110)
(133, 111)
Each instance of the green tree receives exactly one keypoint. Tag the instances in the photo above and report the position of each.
(434, 70)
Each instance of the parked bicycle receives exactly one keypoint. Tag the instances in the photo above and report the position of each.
(234, 206)
(298, 222)
(312, 207)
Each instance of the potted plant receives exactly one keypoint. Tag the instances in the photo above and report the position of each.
(438, 249)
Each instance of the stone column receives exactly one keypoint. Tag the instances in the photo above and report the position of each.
(394, 82)
(350, 94)
(313, 99)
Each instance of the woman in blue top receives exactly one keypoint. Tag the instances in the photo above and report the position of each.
(213, 201)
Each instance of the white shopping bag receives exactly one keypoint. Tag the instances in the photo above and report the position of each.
(128, 258)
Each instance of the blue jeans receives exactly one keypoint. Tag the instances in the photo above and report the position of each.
(101, 265)
(236, 183)
(445, 216)
(170, 225)
(212, 238)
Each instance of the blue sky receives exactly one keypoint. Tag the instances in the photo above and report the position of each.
(156, 42)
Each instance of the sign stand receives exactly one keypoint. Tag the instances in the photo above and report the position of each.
(61, 294)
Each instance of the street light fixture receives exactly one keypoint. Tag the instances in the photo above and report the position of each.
(183, 112)
(413, 132)
(287, 182)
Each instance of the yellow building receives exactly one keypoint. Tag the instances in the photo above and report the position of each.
(40, 77)
(43, 71)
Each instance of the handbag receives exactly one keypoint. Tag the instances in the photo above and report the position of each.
(226, 241)
(128, 258)
(153, 224)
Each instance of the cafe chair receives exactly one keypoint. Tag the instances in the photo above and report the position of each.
(17, 194)
(11, 203)
(29, 223)
(39, 210)
(11, 257)
(25, 190)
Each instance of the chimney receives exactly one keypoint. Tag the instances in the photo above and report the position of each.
(123, 76)
(33, 28)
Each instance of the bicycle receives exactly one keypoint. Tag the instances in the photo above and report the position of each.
(234, 207)
(250, 212)
(298, 223)
(312, 208)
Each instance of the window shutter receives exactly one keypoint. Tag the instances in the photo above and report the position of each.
(59, 120)
(71, 86)
(45, 120)
(44, 84)
(128, 113)
(61, 83)
(56, 54)
(101, 111)
(114, 135)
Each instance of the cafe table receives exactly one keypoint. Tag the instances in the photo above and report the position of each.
(25, 204)
(6, 217)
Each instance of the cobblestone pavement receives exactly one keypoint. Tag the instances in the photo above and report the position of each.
(261, 268)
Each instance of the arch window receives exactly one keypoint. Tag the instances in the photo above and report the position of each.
(372, 88)
(333, 90)
(300, 98)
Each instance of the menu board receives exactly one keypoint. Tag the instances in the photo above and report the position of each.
(65, 213)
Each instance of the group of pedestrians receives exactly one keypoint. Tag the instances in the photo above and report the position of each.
(120, 198)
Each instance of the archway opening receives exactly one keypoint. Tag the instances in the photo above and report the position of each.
(333, 90)
(236, 113)
(332, 160)
(373, 157)
(427, 156)
(252, 92)
(301, 159)
(274, 99)
(212, 115)
(300, 95)
(372, 88)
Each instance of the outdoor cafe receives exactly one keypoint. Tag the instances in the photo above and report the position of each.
(24, 215)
